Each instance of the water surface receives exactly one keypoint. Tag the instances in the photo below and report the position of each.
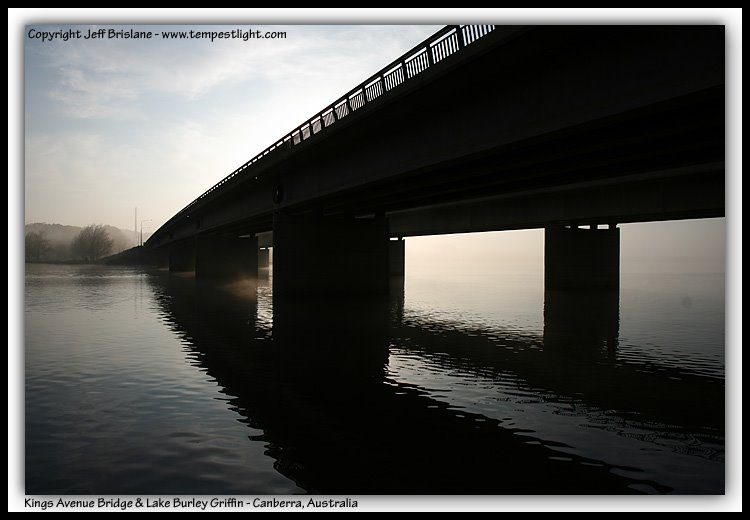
(478, 382)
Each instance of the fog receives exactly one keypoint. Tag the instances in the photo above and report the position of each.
(61, 236)
(684, 246)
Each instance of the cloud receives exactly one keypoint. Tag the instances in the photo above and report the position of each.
(84, 94)
(113, 124)
(107, 78)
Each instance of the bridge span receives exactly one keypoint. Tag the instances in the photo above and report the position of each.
(574, 129)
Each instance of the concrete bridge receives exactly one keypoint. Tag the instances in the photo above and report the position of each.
(479, 128)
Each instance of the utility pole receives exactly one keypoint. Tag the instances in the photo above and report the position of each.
(135, 225)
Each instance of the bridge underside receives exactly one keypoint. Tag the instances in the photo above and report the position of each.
(646, 165)
(679, 193)
(335, 256)
(552, 127)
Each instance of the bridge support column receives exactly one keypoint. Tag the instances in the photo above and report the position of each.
(396, 257)
(182, 257)
(581, 258)
(264, 258)
(162, 258)
(581, 323)
(329, 256)
(226, 257)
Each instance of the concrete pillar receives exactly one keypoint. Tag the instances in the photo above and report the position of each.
(226, 257)
(264, 255)
(581, 258)
(182, 257)
(162, 258)
(329, 256)
(582, 324)
(344, 338)
(396, 257)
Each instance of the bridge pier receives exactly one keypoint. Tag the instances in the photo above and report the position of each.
(330, 256)
(162, 259)
(316, 335)
(583, 324)
(226, 257)
(182, 257)
(396, 257)
(264, 258)
(581, 259)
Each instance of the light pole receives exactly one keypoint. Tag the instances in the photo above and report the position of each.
(142, 221)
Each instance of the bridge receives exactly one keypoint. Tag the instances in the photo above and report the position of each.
(574, 129)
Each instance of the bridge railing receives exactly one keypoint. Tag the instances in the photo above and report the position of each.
(434, 49)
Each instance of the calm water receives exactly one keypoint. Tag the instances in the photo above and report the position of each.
(138, 382)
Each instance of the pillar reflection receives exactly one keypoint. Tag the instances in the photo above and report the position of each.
(582, 324)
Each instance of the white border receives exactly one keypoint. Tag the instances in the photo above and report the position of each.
(730, 17)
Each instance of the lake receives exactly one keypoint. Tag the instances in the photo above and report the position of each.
(138, 382)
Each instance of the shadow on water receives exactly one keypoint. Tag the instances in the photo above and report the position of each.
(335, 422)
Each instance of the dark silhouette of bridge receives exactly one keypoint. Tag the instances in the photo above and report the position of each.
(575, 129)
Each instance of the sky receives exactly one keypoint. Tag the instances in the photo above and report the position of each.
(686, 246)
(115, 124)
(111, 124)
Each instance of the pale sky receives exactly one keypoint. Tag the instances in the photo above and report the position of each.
(114, 124)
(675, 246)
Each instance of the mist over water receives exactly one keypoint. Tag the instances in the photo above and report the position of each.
(469, 379)
(672, 280)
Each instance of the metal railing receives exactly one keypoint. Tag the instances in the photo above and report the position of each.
(435, 49)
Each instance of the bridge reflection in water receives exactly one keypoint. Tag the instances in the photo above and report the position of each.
(319, 378)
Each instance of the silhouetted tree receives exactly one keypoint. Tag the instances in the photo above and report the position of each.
(36, 245)
(92, 243)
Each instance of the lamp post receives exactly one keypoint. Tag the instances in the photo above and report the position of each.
(142, 221)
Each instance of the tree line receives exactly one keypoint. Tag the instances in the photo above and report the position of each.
(92, 243)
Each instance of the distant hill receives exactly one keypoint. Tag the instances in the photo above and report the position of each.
(60, 238)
